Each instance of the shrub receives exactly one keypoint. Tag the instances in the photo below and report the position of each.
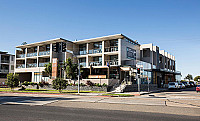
(12, 80)
(82, 84)
(25, 83)
(59, 84)
(89, 83)
(41, 84)
(104, 84)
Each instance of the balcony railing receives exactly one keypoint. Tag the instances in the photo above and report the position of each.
(95, 63)
(82, 52)
(44, 53)
(20, 66)
(111, 49)
(4, 70)
(83, 64)
(31, 54)
(20, 55)
(30, 65)
(93, 51)
(5, 61)
(43, 64)
(111, 62)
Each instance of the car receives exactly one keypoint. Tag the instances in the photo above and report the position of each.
(186, 84)
(198, 88)
(191, 84)
(181, 85)
(173, 85)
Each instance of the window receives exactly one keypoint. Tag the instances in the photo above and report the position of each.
(12, 67)
(97, 45)
(113, 42)
(131, 53)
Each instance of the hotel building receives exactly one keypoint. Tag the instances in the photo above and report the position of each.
(108, 59)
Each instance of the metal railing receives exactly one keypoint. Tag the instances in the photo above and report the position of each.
(44, 53)
(4, 70)
(20, 55)
(111, 49)
(31, 54)
(95, 63)
(29, 65)
(43, 64)
(93, 51)
(111, 62)
(20, 66)
(5, 61)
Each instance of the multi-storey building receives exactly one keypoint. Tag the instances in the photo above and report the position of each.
(6, 65)
(109, 59)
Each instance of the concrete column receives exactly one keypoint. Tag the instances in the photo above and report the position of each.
(51, 52)
(38, 49)
(25, 57)
(87, 58)
(103, 60)
(0, 58)
(87, 48)
(119, 51)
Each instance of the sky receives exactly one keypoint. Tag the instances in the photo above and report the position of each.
(173, 25)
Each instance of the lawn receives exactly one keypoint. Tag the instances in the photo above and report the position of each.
(47, 91)
(118, 95)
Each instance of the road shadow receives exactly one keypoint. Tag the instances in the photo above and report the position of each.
(5, 99)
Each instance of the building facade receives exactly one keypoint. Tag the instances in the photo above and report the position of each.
(108, 59)
(6, 65)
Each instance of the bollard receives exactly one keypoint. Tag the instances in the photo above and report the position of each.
(165, 103)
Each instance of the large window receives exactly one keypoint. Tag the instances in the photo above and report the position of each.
(82, 49)
(113, 42)
(97, 45)
(131, 53)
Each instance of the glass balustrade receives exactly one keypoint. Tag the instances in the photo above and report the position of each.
(111, 62)
(83, 64)
(44, 53)
(93, 51)
(95, 63)
(82, 52)
(20, 55)
(30, 65)
(43, 64)
(4, 70)
(31, 54)
(111, 49)
(20, 66)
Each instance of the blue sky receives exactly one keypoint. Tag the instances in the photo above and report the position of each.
(173, 25)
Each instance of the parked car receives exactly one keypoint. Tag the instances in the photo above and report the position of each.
(191, 84)
(198, 88)
(181, 85)
(173, 85)
(186, 84)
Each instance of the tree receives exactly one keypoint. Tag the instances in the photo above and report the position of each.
(70, 69)
(59, 84)
(12, 80)
(189, 77)
(196, 78)
(48, 69)
(24, 43)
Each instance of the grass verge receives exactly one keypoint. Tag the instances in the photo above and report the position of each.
(118, 95)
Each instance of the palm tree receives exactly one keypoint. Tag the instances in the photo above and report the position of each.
(70, 69)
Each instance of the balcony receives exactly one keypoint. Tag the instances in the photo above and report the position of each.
(20, 55)
(30, 65)
(82, 52)
(44, 53)
(31, 54)
(20, 66)
(111, 49)
(95, 63)
(5, 61)
(43, 64)
(111, 62)
(4, 70)
(83, 64)
(93, 51)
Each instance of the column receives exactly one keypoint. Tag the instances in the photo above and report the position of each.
(51, 52)
(38, 47)
(103, 61)
(87, 58)
(25, 57)
(119, 51)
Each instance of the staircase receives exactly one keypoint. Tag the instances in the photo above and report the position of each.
(120, 87)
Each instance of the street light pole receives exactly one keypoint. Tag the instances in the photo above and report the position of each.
(78, 77)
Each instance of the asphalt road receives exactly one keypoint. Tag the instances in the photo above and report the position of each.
(35, 113)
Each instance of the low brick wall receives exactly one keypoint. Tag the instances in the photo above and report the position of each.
(85, 88)
(143, 87)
